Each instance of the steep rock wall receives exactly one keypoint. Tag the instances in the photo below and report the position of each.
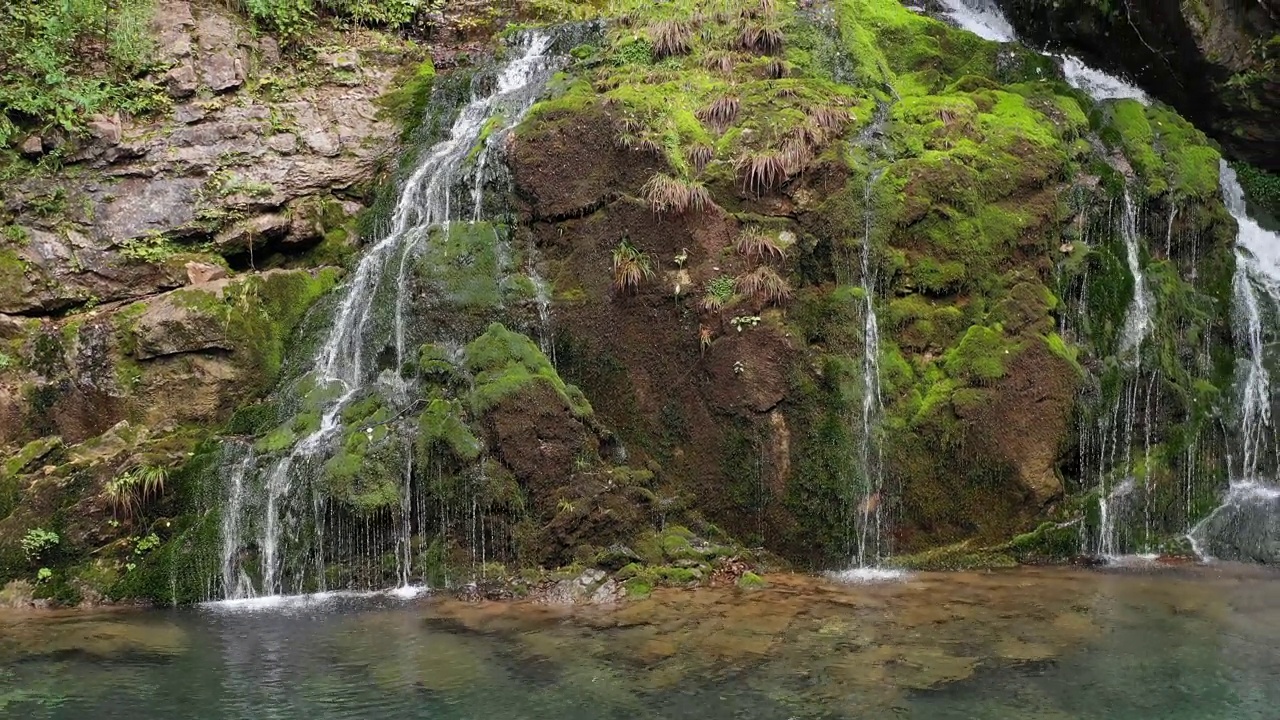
(1215, 61)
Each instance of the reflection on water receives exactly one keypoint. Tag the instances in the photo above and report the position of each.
(1170, 644)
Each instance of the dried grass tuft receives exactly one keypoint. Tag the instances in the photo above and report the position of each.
(755, 244)
(760, 37)
(761, 171)
(718, 61)
(699, 156)
(671, 38)
(630, 267)
(720, 113)
(765, 284)
(675, 195)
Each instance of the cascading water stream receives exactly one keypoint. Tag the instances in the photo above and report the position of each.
(1137, 323)
(344, 366)
(1245, 525)
(870, 453)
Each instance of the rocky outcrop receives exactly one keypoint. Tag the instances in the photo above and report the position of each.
(187, 356)
(257, 156)
(1214, 60)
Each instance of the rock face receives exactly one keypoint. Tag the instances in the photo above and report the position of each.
(246, 172)
(1214, 60)
(773, 300)
(981, 222)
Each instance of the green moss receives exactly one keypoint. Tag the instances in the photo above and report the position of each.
(1049, 541)
(441, 425)
(253, 419)
(751, 581)
(1128, 121)
(407, 103)
(638, 588)
(31, 452)
(938, 278)
(1059, 347)
(980, 356)
(504, 363)
(1262, 187)
(960, 556)
(13, 277)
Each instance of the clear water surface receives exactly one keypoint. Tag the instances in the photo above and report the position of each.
(1193, 643)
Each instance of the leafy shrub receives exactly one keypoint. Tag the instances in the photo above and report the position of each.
(38, 541)
(720, 292)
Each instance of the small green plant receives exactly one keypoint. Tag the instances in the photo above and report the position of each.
(6, 362)
(39, 541)
(745, 321)
(630, 267)
(152, 248)
(639, 52)
(144, 545)
(720, 292)
(50, 204)
(15, 234)
(44, 574)
(566, 506)
(127, 493)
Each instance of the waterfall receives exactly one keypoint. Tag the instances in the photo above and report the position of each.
(237, 463)
(870, 453)
(289, 511)
(1246, 525)
(1112, 441)
(984, 19)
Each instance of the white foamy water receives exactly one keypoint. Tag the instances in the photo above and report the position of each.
(982, 18)
(1098, 84)
(288, 510)
(288, 603)
(1243, 524)
(866, 575)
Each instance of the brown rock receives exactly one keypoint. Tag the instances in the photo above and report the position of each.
(105, 128)
(171, 327)
(33, 146)
(255, 230)
(199, 273)
(222, 71)
(181, 81)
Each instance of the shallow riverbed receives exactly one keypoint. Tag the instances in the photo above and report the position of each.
(1194, 643)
